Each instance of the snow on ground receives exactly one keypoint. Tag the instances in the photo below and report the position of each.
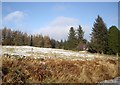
(37, 52)
(115, 80)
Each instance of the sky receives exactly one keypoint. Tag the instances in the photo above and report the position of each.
(119, 15)
(55, 18)
(60, 0)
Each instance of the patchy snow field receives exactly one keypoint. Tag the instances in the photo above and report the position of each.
(36, 52)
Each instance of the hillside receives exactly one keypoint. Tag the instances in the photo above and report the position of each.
(25, 64)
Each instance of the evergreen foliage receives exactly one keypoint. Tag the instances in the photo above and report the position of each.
(99, 36)
(113, 40)
(103, 40)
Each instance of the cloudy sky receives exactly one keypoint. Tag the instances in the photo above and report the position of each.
(55, 18)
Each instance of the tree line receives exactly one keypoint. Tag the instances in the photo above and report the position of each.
(103, 40)
(18, 38)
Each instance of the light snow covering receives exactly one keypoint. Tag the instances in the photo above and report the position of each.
(37, 52)
(115, 80)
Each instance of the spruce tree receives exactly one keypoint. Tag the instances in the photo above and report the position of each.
(80, 34)
(99, 36)
(72, 40)
(80, 39)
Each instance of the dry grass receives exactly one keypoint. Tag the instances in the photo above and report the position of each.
(58, 70)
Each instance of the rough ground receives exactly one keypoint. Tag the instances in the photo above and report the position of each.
(76, 68)
(114, 80)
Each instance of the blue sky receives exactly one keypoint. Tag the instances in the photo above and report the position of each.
(55, 18)
(119, 15)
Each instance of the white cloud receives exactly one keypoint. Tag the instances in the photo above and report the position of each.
(87, 31)
(59, 27)
(15, 16)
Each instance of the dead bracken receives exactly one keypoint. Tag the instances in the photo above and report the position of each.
(58, 70)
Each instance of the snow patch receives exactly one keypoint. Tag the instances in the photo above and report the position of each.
(37, 52)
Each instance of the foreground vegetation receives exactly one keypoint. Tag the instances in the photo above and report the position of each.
(29, 70)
